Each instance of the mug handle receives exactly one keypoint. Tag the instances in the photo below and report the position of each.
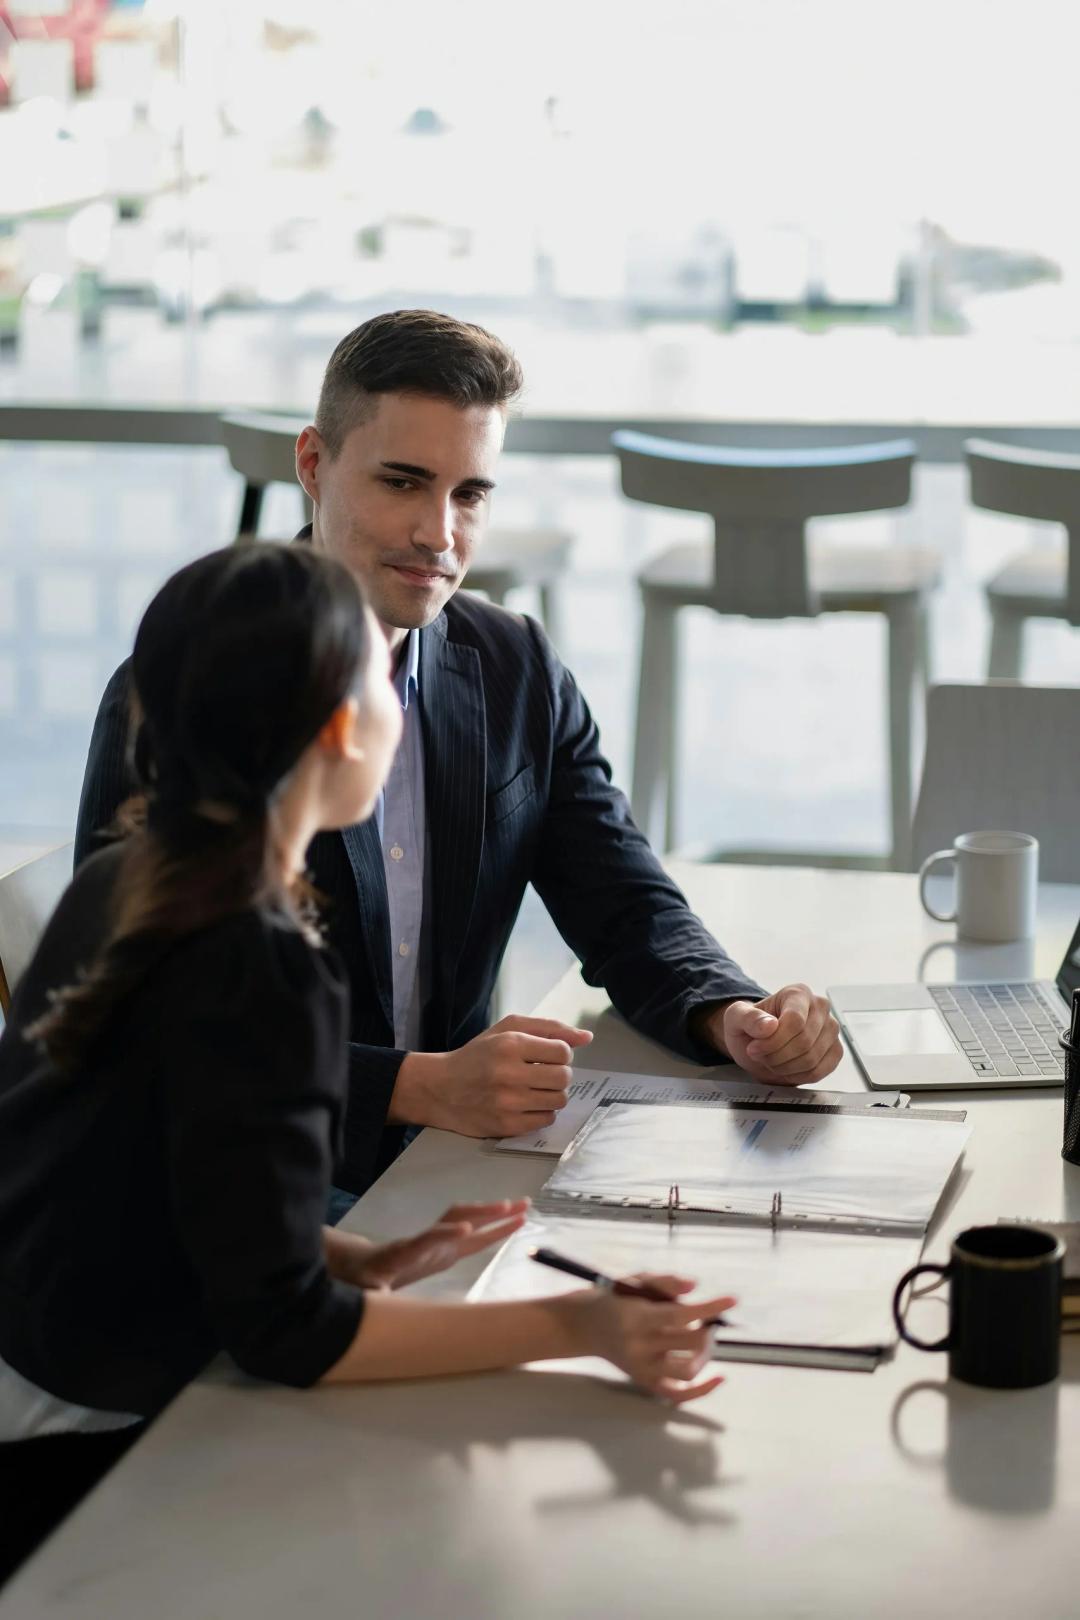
(924, 872)
(909, 1277)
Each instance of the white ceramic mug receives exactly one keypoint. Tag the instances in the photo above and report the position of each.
(997, 876)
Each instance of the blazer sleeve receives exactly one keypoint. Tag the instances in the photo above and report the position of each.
(107, 781)
(251, 1113)
(616, 908)
(370, 1143)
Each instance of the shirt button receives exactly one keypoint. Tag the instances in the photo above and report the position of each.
(396, 853)
(403, 949)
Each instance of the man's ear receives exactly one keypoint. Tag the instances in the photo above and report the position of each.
(310, 452)
(338, 735)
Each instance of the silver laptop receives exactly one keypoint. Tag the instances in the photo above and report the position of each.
(925, 1037)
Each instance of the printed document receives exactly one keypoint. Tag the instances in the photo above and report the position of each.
(589, 1087)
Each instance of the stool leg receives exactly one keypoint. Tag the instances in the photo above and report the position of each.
(923, 675)
(1006, 643)
(904, 639)
(551, 612)
(923, 652)
(654, 739)
(250, 509)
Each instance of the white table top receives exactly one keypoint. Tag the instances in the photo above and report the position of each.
(546, 1494)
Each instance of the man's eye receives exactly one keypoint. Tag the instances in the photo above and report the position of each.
(399, 483)
(471, 497)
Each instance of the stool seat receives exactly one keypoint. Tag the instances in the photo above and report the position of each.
(1033, 584)
(509, 559)
(521, 557)
(844, 578)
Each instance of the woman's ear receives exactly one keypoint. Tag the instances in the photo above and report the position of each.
(338, 735)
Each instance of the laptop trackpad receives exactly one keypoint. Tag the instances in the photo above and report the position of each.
(899, 1034)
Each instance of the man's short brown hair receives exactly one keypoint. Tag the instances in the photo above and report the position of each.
(412, 351)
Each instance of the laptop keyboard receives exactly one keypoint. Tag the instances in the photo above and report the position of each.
(1003, 1029)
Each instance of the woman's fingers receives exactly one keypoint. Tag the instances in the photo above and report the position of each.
(668, 1340)
(471, 1242)
(481, 1213)
(669, 1389)
(667, 1282)
(699, 1310)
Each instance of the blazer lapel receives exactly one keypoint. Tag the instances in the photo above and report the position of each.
(455, 772)
(365, 857)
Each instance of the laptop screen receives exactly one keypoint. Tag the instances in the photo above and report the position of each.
(1068, 978)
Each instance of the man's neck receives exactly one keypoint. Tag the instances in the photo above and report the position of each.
(396, 638)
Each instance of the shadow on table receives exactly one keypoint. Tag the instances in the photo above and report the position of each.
(621, 1049)
(646, 1449)
(1001, 1445)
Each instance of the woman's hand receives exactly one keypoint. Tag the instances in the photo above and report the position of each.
(662, 1347)
(463, 1229)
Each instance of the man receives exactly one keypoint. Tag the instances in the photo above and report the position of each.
(499, 781)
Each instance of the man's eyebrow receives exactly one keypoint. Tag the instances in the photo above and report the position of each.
(412, 471)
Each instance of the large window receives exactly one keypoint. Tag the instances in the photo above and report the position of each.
(793, 208)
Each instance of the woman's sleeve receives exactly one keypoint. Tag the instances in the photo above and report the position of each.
(253, 1081)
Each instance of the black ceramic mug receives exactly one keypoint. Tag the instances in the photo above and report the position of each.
(1004, 1306)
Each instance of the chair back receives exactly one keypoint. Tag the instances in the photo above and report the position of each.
(1032, 484)
(1001, 756)
(760, 502)
(28, 898)
(262, 449)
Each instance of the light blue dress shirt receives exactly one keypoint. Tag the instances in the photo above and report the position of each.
(402, 824)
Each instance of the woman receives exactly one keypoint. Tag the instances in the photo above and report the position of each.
(172, 1082)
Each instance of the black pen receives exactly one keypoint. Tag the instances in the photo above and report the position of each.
(574, 1268)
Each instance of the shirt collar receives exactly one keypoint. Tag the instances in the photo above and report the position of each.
(407, 673)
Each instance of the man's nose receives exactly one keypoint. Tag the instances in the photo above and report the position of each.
(435, 530)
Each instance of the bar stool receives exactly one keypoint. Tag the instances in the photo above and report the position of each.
(1039, 583)
(262, 450)
(760, 566)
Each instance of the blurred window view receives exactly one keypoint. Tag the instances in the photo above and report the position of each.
(711, 198)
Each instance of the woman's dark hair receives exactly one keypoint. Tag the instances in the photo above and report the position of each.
(239, 661)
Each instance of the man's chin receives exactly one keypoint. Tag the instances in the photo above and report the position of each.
(412, 610)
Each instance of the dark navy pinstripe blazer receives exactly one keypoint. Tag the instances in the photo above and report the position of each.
(517, 791)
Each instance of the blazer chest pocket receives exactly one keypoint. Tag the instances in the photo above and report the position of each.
(507, 799)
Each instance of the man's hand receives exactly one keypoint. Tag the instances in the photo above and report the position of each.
(512, 1078)
(463, 1229)
(789, 1039)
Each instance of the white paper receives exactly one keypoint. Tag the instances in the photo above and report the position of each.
(827, 1289)
(592, 1086)
(852, 1168)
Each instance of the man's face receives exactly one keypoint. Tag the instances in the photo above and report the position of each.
(406, 501)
